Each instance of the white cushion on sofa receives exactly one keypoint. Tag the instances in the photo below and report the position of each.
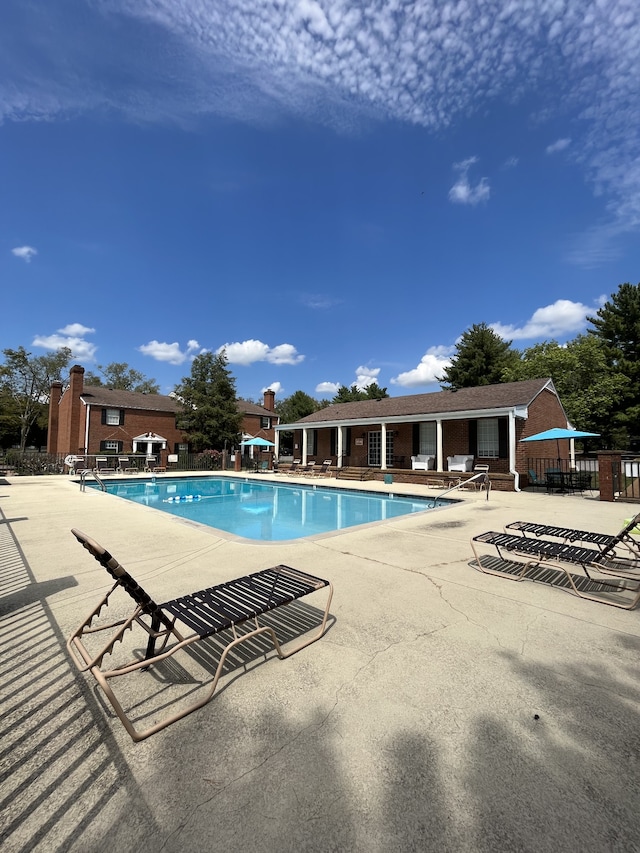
(460, 462)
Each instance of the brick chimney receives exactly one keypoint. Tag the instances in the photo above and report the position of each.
(54, 417)
(76, 427)
(270, 400)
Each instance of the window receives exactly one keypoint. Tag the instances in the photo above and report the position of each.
(488, 437)
(110, 445)
(113, 417)
(265, 423)
(428, 439)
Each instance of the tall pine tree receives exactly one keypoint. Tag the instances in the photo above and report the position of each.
(209, 411)
(481, 358)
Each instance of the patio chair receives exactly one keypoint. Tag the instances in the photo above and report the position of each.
(544, 560)
(296, 467)
(308, 469)
(324, 470)
(125, 466)
(605, 542)
(535, 482)
(177, 624)
(103, 466)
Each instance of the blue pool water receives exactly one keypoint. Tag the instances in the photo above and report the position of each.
(269, 512)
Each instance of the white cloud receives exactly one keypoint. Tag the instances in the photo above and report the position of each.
(366, 376)
(431, 365)
(318, 301)
(25, 252)
(335, 62)
(553, 321)
(463, 192)
(171, 353)
(248, 352)
(276, 387)
(71, 336)
(558, 145)
(327, 387)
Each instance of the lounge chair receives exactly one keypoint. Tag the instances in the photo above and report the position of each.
(324, 470)
(605, 542)
(308, 469)
(125, 466)
(103, 466)
(546, 560)
(183, 621)
(296, 467)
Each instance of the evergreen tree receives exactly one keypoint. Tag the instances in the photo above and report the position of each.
(355, 394)
(481, 358)
(617, 324)
(209, 412)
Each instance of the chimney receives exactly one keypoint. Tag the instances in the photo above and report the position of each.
(270, 400)
(54, 417)
(76, 424)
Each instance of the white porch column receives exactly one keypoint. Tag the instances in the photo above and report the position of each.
(340, 445)
(276, 444)
(305, 443)
(383, 447)
(439, 457)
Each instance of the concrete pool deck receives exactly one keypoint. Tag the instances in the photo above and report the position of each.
(444, 709)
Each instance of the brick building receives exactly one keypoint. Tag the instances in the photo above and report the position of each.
(92, 420)
(486, 422)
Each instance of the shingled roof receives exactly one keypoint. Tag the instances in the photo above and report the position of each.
(99, 396)
(503, 396)
(114, 399)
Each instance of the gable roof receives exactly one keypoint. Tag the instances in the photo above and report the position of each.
(507, 395)
(95, 395)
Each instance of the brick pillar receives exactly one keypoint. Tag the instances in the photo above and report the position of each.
(610, 468)
(54, 417)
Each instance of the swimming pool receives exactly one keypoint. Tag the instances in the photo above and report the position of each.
(267, 512)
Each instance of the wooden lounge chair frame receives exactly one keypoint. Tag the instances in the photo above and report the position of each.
(186, 620)
(556, 555)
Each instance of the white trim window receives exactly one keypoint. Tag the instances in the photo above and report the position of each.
(111, 445)
(488, 438)
(428, 440)
(112, 417)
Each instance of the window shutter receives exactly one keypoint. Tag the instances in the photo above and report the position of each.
(121, 416)
(503, 438)
(103, 446)
(415, 440)
(314, 443)
(103, 416)
(333, 438)
(347, 449)
(473, 437)
(120, 446)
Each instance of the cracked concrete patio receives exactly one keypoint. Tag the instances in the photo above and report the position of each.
(444, 710)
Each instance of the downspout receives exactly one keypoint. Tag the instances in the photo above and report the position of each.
(512, 451)
(86, 427)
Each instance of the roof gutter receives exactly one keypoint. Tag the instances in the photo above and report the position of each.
(86, 427)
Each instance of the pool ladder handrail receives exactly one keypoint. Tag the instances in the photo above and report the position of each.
(482, 475)
(83, 479)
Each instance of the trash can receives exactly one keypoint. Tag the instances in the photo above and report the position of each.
(388, 479)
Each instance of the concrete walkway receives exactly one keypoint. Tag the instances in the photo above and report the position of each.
(444, 710)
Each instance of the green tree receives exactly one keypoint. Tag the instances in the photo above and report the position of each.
(617, 325)
(580, 371)
(208, 409)
(120, 377)
(297, 406)
(27, 379)
(481, 358)
(355, 394)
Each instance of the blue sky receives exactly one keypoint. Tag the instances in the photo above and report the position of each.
(332, 190)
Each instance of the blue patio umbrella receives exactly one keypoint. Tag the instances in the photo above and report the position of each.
(558, 433)
(257, 442)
